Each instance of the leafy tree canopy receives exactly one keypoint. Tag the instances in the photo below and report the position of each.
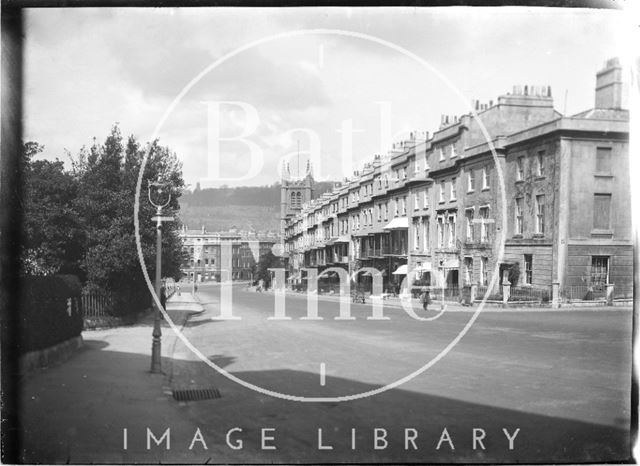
(267, 261)
(82, 220)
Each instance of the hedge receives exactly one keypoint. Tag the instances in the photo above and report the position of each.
(49, 311)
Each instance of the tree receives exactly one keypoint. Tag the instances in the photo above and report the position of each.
(107, 177)
(267, 261)
(52, 232)
(81, 220)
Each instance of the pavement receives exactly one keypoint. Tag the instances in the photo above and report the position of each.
(455, 306)
(82, 410)
(560, 377)
(76, 412)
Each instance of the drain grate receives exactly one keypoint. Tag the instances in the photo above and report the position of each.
(197, 394)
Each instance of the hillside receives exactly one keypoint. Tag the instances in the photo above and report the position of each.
(244, 207)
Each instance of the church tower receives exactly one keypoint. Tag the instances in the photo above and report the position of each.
(294, 193)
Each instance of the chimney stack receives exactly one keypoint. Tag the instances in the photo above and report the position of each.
(610, 90)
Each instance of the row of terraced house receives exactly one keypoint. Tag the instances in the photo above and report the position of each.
(206, 260)
(520, 191)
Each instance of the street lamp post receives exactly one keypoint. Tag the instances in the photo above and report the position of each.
(157, 193)
(197, 257)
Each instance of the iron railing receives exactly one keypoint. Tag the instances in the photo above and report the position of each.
(450, 293)
(394, 251)
(96, 305)
(585, 292)
(529, 294)
(622, 291)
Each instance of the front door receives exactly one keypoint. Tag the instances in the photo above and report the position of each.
(452, 278)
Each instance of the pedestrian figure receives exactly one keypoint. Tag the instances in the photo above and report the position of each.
(425, 297)
(589, 295)
(178, 289)
(163, 298)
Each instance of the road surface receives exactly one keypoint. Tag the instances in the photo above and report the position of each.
(519, 386)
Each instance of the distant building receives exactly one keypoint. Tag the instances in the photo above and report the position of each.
(295, 193)
(435, 204)
(203, 253)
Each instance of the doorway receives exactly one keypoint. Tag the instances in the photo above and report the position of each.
(452, 278)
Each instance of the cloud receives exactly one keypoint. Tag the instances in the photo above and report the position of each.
(265, 83)
(88, 68)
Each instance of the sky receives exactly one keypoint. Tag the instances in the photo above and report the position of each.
(237, 92)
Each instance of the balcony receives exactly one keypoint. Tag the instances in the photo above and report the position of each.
(370, 253)
(419, 177)
(476, 243)
(338, 260)
(400, 250)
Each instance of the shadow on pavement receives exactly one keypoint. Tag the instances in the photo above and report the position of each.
(195, 322)
(540, 439)
(76, 413)
(221, 360)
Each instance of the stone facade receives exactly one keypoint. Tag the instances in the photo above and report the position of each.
(520, 187)
(203, 254)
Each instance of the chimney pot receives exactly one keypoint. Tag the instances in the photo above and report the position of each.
(610, 88)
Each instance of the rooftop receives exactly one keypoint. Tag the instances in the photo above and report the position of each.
(604, 114)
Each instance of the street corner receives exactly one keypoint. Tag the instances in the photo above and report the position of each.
(185, 303)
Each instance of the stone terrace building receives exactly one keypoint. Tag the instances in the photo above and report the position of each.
(203, 254)
(434, 204)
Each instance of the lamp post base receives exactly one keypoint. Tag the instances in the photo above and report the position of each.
(156, 356)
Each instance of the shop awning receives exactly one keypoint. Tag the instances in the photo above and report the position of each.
(398, 223)
(424, 267)
(332, 241)
(342, 239)
(295, 276)
(366, 273)
(451, 264)
(402, 270)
